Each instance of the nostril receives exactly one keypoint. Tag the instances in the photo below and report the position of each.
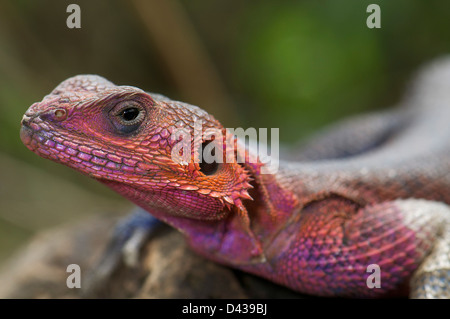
(25, 121)
(60, 114)
(54, 115)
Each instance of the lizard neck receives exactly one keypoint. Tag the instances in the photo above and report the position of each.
(226, 239)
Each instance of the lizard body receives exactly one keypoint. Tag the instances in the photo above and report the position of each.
(314, 226)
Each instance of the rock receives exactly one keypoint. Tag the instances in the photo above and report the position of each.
(167, 268)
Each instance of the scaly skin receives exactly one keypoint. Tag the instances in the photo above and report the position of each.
(313, 226)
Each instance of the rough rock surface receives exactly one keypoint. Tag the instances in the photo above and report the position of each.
(167, 268)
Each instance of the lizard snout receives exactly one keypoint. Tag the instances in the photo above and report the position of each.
(26, 133)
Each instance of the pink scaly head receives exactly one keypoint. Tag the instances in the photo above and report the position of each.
(125, 137)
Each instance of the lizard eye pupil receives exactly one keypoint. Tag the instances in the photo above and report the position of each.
(130, 114)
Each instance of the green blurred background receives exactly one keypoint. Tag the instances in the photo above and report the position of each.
(296, 65)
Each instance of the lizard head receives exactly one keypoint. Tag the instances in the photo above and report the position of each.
(142, 145)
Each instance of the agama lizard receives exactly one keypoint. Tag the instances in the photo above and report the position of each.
(373, 191)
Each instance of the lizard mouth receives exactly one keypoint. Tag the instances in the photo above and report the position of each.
(78, 154)
(26, 134)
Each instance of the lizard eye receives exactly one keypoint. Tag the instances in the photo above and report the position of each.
(127, 116)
